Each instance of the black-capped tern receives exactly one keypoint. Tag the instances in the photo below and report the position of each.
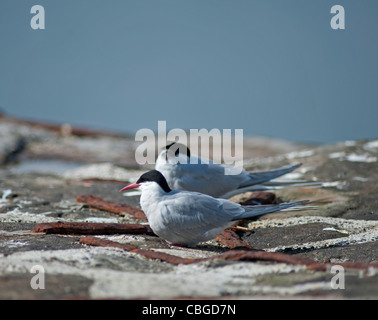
(187, 218)
(188, 172)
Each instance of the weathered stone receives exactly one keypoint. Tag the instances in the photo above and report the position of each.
(339, 226)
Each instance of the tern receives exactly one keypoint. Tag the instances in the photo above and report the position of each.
(184, 171)
(186, 218)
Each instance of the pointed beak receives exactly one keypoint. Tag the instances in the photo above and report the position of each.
(130, 186)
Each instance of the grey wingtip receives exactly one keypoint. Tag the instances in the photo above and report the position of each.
(294, 166)
(260, 210)
(296, 203)
(288, 206)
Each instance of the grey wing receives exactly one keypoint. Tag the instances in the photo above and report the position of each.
(209, 179)
(260, 210)
(255, 177)
(201, 216)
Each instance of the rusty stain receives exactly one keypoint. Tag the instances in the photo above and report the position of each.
(98, 242)
(260, 197)
(250, 255)
(260, 255)
(230, 239)
(62, 129)
(150, 254)
(91, 228)
(111, 206)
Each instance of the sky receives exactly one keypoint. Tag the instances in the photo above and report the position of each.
(270, 67)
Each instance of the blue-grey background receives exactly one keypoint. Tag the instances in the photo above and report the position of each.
(270, 67)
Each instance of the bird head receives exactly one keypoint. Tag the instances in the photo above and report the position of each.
(153, 176)
(174, 149)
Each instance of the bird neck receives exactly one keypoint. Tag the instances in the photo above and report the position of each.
(152, 193)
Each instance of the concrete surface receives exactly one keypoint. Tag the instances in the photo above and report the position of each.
(42, 176)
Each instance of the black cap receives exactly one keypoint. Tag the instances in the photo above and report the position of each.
(178, 148)
(157, 177)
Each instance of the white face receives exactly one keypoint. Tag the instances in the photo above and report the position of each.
(149, 185)
(151, 190)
